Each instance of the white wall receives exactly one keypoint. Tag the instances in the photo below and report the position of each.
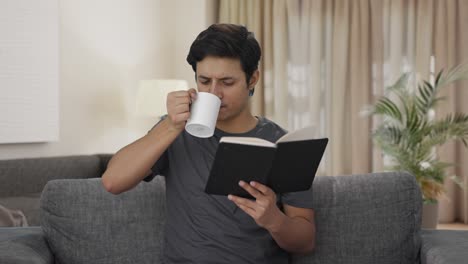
(106, 47)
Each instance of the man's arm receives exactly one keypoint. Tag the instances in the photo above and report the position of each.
(293, 230)
(133, 163)
(296, 230)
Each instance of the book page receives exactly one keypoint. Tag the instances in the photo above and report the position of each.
(301, 134)
(248, 141)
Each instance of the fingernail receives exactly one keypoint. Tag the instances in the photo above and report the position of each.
(241, 183)
(252, 183)
(230, 197)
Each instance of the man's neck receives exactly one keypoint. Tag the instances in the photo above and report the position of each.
(241, 124)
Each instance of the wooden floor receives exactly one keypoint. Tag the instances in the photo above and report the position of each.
(453, 226)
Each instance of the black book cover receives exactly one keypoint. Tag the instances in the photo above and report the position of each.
(295, 165)
(288, 167)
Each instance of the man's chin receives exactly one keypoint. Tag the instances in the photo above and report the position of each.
(222, 116)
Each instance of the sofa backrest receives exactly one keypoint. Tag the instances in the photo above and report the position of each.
(83, 223)
(22, 180)
(372, 218)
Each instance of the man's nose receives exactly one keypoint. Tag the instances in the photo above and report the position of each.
(216, 89)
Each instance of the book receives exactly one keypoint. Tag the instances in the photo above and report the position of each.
(288, 165)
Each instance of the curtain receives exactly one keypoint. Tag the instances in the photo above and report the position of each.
(425, 37)
(449, 49)
(324, 60)
(267, 20)
(314, 44)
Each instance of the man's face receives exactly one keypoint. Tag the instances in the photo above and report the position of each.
(225, 78)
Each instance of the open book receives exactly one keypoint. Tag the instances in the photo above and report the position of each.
(289, 165)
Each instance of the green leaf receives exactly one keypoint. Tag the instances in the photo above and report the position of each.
(409, 138)
(386, 107)
(437, 79)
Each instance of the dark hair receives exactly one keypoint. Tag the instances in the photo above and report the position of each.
(226, 40)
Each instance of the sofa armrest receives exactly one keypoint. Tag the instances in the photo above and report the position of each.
(24, 245)
(444, 246)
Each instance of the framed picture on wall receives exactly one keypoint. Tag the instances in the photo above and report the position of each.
(29, 71)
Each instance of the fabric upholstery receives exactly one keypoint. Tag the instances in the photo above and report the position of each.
(24, 245)
(26, 176)
(84, 223)
(373, 218)
(444, 246)
(22, 180)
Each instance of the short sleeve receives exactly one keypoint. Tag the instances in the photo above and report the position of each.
(159, 168)
(302, 199)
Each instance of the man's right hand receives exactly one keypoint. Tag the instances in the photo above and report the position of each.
(178, 107)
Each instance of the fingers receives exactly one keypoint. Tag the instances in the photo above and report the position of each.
(250, 189)
(256, 189)
(258, 195)
(182, 97)
(178, 106)
(263, 209)
(263, 195)
(182, 107)
(177, 103)
(242, 201)
(246, 205)
(180, 118)
(260, 187)
(248, 210)
(193, 93)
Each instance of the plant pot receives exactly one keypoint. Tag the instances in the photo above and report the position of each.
(430, 215)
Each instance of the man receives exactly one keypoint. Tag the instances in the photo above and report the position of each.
(202, 228)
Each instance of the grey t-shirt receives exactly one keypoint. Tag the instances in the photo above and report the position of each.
(202, 228)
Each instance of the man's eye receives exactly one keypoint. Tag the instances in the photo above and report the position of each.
(204, 82)
(228, 83)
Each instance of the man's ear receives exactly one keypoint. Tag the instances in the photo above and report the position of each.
(254, 78)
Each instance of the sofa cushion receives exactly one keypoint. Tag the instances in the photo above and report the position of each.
(83, 223)
(373, 218)
(24, 245)
(444, 246)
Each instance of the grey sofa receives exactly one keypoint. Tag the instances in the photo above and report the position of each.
(22, 180)
(373, 218)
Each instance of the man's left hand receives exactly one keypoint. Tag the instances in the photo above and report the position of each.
(263, 209)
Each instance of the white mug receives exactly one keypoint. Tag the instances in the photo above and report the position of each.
(203, 115)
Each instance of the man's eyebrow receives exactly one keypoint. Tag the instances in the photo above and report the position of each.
(222, 79)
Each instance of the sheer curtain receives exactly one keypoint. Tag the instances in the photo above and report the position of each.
(309, 49)
(323, 60)
(449, 49)
(267, 19)
(425, 37)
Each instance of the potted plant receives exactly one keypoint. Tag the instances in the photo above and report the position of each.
(409, 132)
